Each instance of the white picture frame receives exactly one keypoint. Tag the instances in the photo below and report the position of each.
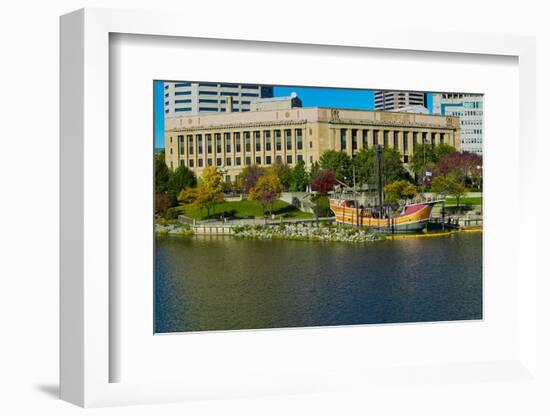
(85, 211)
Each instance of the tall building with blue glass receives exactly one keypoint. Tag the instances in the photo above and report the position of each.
(192, 98)
(469, 109)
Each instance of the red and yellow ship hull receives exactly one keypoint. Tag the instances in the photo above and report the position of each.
(414, 218)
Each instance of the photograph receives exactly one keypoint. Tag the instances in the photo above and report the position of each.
(287, 206)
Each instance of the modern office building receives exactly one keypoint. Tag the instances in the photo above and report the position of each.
(283, 132)
(191, 98)
(394, 100)
(469, 109)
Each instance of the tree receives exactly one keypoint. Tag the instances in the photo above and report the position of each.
(162, 203)
(299, 177)
(449, 185)
(248, 177)
(267, 191)
(283, 172)
(467, 166)
(162, 173)
(337, 162)
(324, 181)
(208, 194)
(182, 178)
(366, 166)
(398, 191)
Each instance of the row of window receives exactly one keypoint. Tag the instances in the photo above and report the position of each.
(239, 160)
(389, 137)
(471, 131)
(212, 84)
(257, 139)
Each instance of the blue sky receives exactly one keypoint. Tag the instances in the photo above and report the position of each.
(311, 97)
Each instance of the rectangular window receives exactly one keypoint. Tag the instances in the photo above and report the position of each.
(208, 109)
(181, 144)
(238, 143)
(208, 93)
(267, 137)
(415, 139)
(227, 161)
(405, 158)
(376, 137)
(227, 139)
(343, 141)
(441, 138)
(182, 109)
(218, 161)
(268, 160)
(395, 139)
(386, 138)
(247, 160)
(405, 141)
(218, 137)
(181, 162)
(353, 139)
(258, 160)
(207, 100)
(209, 162)
(208, 84)
(257, 141)
(365, 139)
(200, 163)
(247, 141)
(190, 145)
(182, 93)
(288, 139)
(191, 163)
(231, 94)
(247, 94)
(300, 158)
(310, 145)
(209, 143)
(188, 100)
(277, 139)
(182, 85)
(425, 138)
(289, 159)
(299, 139)
(238, 161)
(433, 139)
(278, 159)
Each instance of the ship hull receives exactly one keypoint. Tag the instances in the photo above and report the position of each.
(414, 219)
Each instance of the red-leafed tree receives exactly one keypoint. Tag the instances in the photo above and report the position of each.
(248, 177)
(467, 166)
(324, 181)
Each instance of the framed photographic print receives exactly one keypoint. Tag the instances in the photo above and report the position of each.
(290, 213)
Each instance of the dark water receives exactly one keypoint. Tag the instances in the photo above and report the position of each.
(221, 283)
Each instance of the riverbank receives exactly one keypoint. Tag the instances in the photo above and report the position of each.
(294, 231)
(303, 232)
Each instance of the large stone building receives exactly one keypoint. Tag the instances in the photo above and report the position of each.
(469, 109)
(287, 133)
(191, 98)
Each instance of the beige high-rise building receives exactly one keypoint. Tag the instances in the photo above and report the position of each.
(282, 132)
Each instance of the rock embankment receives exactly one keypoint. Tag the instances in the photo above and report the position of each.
(306, 233)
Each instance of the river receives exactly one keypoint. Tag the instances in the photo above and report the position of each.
(224, 283)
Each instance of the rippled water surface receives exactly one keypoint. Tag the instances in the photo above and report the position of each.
(222, 283)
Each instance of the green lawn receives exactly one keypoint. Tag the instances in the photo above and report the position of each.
(451, 201)
(242, 209)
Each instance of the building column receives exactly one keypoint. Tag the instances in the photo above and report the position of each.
(349, 149)
(411, 144)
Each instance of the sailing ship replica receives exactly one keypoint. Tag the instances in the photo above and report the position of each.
(411, 217)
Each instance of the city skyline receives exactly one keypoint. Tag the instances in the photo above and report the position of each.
(310, 97)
